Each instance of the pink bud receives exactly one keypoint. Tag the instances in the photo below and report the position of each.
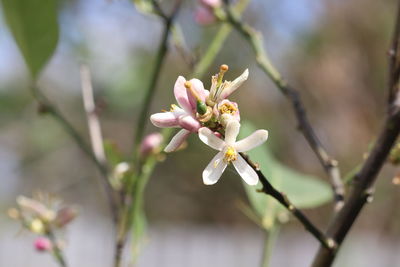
(204, 15)
(211, 3)
(43, 244)
(151, 143)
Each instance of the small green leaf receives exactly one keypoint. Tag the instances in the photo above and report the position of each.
(305, 191)
(34, 26)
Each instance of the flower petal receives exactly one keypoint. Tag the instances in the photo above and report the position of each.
(209, 138)
(181, 95)
(164, 120)
(245, 171)
(214, 169)
(251, 141)
(231, 132)
(198, 86)
(177, 140)
(234, 85)
(189, 123)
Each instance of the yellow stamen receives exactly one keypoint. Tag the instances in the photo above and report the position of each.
(224, 68)
(189, 86)
(230, 155)
(227, 108)
(173, 107)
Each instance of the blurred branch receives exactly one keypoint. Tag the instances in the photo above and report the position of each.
(270, 242)
(366, 177)
(217, 43)
(92, 118)
(46, 106)
(270, 190)
(329, 164)
(160, 58)
(57, 252)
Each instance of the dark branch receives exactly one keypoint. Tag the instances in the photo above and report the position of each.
(365, 178)
(329, 164)
(268, 189)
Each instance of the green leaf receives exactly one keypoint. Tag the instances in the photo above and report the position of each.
(305, 191)
(34, 26)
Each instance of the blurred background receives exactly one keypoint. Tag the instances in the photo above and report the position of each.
(334, 52)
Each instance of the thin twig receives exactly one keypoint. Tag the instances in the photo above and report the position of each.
(160, 58)
(91, 115)
(129, 207)
(366, 177)
(329, 164)
(47, 107)
(269, 189)
(56, 251)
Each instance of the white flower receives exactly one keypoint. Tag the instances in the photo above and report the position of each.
(229, 152)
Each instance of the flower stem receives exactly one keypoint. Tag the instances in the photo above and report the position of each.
(51, 109)
(56, 251)
(270, 242)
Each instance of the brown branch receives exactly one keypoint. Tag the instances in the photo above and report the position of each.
(269, 189)
(255, 40)
(365, 178)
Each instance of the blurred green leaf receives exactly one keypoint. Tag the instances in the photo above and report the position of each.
(34, 26)
(305, 191)
(144, 6)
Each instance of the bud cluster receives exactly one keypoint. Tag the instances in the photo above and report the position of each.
(42, 215)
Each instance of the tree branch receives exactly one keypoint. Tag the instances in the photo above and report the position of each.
(47, 107)
(329, 164)
(328, 243)
(365, 178)
(160, 58)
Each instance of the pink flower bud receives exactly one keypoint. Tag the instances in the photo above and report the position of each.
(43, 244)
(204, 16)
(151, 144)
(211, 3)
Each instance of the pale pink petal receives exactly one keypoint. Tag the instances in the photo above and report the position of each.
(234, 85)
(251, 141)
(245, 171)
(164, 120)
(177, 141)
(181, 94)
(198, 86)
(189, 123)
(214, 169)
(231, 132)
(209, 138)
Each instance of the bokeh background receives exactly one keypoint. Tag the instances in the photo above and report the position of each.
(335, 52)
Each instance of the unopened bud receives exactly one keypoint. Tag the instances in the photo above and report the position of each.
(204, 16)
(211, 3)
(43, 244)
(37, 226)
(151, 144)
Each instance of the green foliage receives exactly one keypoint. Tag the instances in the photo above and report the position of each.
(305, 191)
(144, 6)
(34, 26)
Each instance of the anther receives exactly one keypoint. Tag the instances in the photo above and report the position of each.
(224, 68)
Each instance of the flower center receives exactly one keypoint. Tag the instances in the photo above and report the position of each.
(230, 154)
(227, 108)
